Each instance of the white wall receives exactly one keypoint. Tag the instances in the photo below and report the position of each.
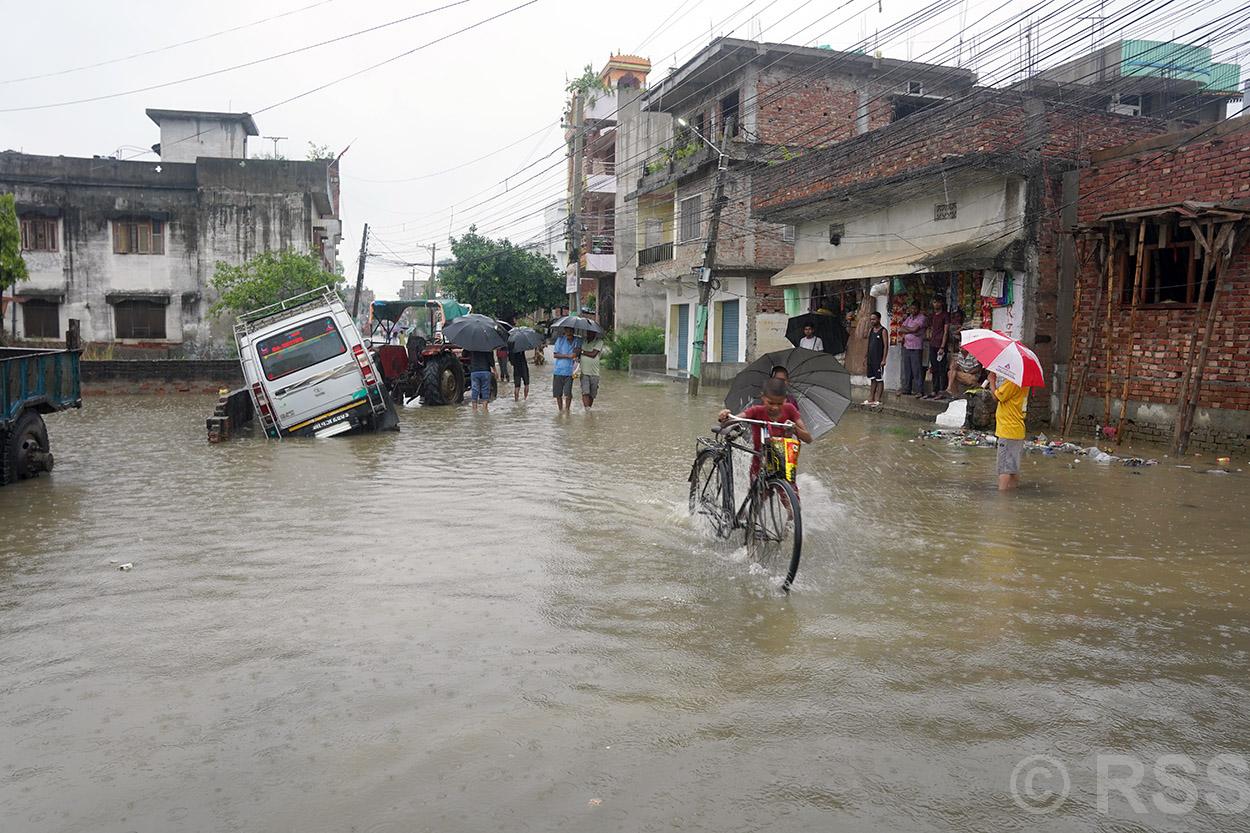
(182, 140)
(905, 233)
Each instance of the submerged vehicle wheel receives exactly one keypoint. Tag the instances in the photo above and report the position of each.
(443, 381)
(25, 449)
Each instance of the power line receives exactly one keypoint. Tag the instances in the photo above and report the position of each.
(160, 49)
(251, 63)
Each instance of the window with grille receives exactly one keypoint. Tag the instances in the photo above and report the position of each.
(39, 234)
(139, 319)
(788, 233)
(944, 211)
(41, 319)
(691, 219)
(138, 237)
(836, 231)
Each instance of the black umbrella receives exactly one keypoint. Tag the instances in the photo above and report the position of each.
(578, 323)
(474, 332)
(829, 329)
(524, 338)
(818, 381)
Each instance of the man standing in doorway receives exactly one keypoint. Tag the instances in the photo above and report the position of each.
(589, 360)
(939, 333)
(1013, 401)
(811, 341)
(878, 349)
(913, 345)
(565, 354)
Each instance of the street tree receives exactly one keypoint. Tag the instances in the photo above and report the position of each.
(12, 267)
(268, 278)
(500, 279)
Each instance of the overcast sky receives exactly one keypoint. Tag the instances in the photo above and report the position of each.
(443, 126)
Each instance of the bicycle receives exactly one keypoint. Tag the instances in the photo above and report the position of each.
(769, 514)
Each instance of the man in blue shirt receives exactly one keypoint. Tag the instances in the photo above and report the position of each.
(565, 353)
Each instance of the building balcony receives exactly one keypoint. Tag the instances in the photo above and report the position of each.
(655, 254)
(601, 108)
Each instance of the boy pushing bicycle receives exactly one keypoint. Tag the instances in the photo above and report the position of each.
(782, 416)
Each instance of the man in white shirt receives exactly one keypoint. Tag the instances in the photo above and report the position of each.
(810, 340)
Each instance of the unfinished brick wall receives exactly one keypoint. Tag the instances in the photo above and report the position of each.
(805, 113)
(1213, 168)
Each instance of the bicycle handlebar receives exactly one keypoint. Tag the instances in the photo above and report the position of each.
(789, 424)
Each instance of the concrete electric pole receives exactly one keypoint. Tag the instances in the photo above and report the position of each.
(574, 239)
(705, 272)
(360, 271)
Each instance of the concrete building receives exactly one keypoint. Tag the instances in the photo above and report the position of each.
(761, 104)
(603, 209)
(129, 248)
(962, 201)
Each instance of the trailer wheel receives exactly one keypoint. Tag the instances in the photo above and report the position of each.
(443, 382)
(25, 449)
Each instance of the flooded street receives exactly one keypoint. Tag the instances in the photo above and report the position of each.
(511, 623)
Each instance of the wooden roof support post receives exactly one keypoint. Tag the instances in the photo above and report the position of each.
(1132, 330)
(1140, 240)
(1227, 244)
(1069, 404)
(1205, 235)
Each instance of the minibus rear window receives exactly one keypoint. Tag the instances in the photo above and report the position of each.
(304, 346)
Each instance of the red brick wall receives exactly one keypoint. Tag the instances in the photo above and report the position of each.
(768, 297)
(999, 124)
(804, 113)
(1216, 169)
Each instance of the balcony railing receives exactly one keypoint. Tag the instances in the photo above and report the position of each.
(655, 254)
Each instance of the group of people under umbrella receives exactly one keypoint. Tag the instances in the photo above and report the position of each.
(495, 348)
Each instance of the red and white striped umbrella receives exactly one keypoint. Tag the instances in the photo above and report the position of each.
(1003, 355)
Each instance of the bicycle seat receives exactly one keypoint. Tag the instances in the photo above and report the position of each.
(728, 429)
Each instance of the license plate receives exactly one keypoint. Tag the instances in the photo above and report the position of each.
(326, 423)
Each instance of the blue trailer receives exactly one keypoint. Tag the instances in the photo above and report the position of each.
(33, 383)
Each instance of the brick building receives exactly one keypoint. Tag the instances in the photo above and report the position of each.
(961, 202)
(761, 103)
(967, 199)
(1178, 205)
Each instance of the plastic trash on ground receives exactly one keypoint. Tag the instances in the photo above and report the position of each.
(954, 415)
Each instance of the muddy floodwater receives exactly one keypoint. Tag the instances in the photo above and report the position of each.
(510, 623)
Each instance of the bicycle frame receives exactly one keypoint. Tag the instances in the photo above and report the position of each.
(758, 481)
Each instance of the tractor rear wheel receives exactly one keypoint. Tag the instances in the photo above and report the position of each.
(443, 381)
(24, 450)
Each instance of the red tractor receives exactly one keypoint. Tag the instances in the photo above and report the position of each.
(427, 366)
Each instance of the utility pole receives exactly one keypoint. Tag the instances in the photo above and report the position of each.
(360, 271)
(705, 273)
(430, 287)
(574, 240)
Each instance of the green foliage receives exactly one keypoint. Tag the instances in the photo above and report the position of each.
(320, 153)
(587, 83)
(12, 267)
(499, 279)
(687, 150)
(626, 342)
(589, 302)
(268, 278)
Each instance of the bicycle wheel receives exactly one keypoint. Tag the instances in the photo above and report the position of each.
(774, 528)
(709, 494)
